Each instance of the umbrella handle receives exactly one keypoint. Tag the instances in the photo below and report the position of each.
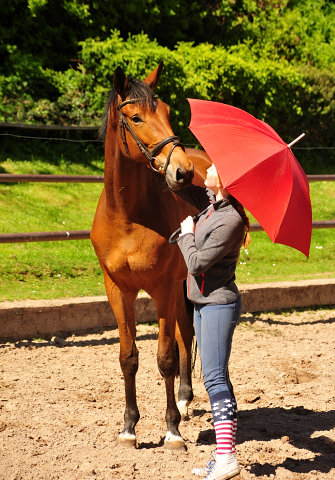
(173, 238)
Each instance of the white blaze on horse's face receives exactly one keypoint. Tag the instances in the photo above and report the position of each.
(152, 127)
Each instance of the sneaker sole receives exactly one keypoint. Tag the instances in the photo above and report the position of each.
(229, 475)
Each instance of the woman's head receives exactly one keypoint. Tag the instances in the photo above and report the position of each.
(213, 181)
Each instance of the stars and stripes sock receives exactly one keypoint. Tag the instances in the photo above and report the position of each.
(234, 424)
(224, 410)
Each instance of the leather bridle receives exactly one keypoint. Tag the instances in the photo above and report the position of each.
(150, 154)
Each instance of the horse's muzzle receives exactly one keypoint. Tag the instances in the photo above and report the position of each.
(179, 177)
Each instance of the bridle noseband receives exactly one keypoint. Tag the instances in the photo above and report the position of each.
(150, 154)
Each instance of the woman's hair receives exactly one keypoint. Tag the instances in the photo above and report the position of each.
(240, 209)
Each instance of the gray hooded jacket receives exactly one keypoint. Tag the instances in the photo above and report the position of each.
(211, 254)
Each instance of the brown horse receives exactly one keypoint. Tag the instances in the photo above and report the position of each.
(133, 222)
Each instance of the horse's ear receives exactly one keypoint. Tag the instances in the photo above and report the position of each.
(153, 79)
(120, 83)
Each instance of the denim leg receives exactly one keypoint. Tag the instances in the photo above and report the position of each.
(197, 325)
(214, 327)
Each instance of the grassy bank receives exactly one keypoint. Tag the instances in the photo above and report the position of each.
(66, 269)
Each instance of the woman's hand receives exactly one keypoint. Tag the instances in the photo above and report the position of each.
(188, 225)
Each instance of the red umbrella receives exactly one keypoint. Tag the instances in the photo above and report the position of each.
(258, 168)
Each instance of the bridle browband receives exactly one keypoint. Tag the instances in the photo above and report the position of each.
(150, 154)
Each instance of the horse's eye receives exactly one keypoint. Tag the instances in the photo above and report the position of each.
(136, 119)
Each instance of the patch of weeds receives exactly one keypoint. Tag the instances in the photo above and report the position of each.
(286, 312)
(150, 324)
(264, 331)
(244, 324)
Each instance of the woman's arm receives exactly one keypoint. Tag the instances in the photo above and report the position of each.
(218, 244)
(198, 197)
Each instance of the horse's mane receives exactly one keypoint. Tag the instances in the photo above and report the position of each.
(137, 90)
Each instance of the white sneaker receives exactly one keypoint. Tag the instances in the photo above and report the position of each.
(225, 466)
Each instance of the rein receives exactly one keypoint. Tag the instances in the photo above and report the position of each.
(149, 154)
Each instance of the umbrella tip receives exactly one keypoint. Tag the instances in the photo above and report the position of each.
(296, 140)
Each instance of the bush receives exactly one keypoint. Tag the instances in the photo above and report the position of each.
(291, 98)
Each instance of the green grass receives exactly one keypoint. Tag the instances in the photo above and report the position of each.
(271, 262)
(70, 268)
(49, 269)
(268, 262)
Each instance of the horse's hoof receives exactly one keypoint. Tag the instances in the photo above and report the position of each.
(176, 445)
(174, 442)
(126, 440)
(185, 418)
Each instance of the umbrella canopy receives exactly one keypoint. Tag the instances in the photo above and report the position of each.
(258, 168)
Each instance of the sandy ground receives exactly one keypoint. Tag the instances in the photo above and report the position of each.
(61, 408)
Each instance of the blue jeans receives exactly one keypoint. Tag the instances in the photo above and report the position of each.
(214, 327)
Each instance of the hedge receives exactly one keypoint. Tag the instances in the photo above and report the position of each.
(291, 98)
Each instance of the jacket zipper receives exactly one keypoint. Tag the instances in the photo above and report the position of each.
(210, 213)
(202, 283)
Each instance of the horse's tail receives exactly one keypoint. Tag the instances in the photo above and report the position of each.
(188, 303)
(193, 355)
(177, 353)
(190, 309)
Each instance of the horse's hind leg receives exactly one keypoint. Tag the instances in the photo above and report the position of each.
(123, 308)
(167, 361)
(184, 337)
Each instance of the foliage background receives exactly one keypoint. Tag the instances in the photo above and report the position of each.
(272, 58)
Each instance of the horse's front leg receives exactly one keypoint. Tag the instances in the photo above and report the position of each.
(168, 364)
(123, 308)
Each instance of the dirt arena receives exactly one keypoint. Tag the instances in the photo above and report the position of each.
(61, 408)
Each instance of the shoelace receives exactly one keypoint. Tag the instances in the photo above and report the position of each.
(212, 470)
(211, 463)
(204, 472)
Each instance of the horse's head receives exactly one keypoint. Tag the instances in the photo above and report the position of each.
(145, 133)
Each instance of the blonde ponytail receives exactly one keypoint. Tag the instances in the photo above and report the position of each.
(240, 209)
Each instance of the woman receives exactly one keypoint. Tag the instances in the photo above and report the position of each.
(211, 249)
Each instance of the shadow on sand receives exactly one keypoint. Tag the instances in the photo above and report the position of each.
(299, 424)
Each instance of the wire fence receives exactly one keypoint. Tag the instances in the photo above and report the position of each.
(87, 128)
(85, 234)
(26, 126)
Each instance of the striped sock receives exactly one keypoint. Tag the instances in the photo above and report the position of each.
(224, 437)
(234, 424)
(224, 410)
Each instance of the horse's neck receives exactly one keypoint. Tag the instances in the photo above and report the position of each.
(128, 184)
